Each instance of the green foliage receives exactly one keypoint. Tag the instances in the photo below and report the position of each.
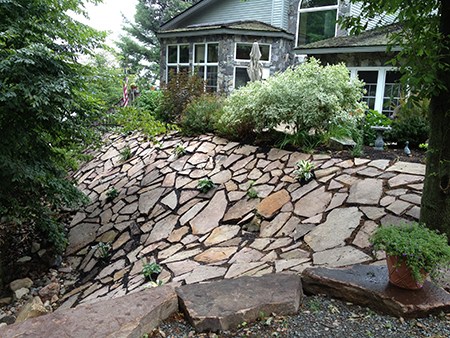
(102, 249)
(419, 247)
(305, 170)
(252, 193)
(46, 109)
(414, 129)
(136, 119)
(310, 96)
(201, 114)
(179, 150)
(149, 100)
(150, 269)
(205, 184)
(182, 87)
(371, 119)
(125, 154)
(112, 194)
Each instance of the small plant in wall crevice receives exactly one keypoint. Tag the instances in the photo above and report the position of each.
(205, 185)
(304, 172)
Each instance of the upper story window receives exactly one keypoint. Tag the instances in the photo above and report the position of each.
(177, 58)
(206, 61)
(243, 51)
(316, 20)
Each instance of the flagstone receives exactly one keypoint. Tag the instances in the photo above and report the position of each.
(270, 228)
(236, 195)
(297, 254)
(340, 223)
(148, 200)
(396, 192)
(246, 255)
(347, 179)
(366, 192)
(171, 200)
(302, 229)
(413, 198)
(231, 159)
(198, 158)
(386, 200)
(263, 179)
(271, 204)
(373, 213)
(414, 212)
(370, 172)
(189, 239)
(295, 157)
(362, 237)
(380, 164)
(238, 269)
(183, 255)
(206, 147)
(80, 236)
(178, 165)
(222, 234)
(277, 154)
(285, 264)
(303, 190)
(240, 209)
(263, 190)
(404, 179)
(279, 243)
(274, 166)
(340, 257)
(162, 229)
(180, 268)
(203, 273)
(221, 177)
(337, 200)
(129, 209)
(289, 227)
(178, 234)
(260, 243)
(314, 203)
(272, 256)
(169, 180)
(133, 255)
(118, 265)
(241, 163)
(334, 185)
(233, 242)
(209, 218)
(418, 186)
(214, 254)
(245, 150)
(171, 250)
(314, 220)
(241, 178)
(398, 207)
(255, 174)
(408, 168)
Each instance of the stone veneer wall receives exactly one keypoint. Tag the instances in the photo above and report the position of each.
(282, 55)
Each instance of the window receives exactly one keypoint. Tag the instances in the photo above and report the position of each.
(240, 77)
(206, 61)
(382, 86)
(316, 20)
(177, 58)
(243, 51)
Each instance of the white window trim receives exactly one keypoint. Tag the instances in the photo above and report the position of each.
(315, 9)
(206, 63)
(381, 82)
(177, 64)
(234, 75)
(249, 43)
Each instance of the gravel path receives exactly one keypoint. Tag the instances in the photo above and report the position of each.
(320, 316)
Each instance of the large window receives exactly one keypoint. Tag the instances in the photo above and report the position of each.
(177, 58)
(316, 20)
(382, 88)
(243, 51)
(240, 77)
(206, 60)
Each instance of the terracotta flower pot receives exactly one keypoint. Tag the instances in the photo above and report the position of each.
(401, 275)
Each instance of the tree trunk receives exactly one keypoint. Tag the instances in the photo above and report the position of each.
(435, 208)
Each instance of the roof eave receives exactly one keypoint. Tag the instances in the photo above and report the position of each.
(169, 24)
(345, 50)
(229, 31)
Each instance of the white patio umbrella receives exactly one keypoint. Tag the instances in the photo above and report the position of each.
(255, 68)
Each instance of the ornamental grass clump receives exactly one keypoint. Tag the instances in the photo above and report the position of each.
(421, 248)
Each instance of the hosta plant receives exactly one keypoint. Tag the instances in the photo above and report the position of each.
(304, 171)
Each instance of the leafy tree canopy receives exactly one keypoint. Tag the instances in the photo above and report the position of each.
(139, 48)
(46, 108)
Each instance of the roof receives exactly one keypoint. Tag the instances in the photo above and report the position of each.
(238, 27)
(374, 40)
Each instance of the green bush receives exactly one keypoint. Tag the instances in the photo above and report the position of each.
(149, 100)
(310, 96)
(182, 87)
(202, 114)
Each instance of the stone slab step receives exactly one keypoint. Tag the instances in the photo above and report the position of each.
(368, 285)
(130, 316)
(227, 303)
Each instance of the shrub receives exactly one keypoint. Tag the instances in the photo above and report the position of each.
(177, 93)
(149, 100)
(202, 114)
(310, 96)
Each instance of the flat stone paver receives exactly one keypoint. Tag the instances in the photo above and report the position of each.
(366, 192)
(209, 218)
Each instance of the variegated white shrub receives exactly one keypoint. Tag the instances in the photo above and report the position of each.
(309, 96)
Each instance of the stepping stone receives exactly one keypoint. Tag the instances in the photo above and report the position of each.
(148, 199)
(314, 203)
(273, 203)
(380, 164)
(222, 234)
(362, 237)
(224, 305)
(340, 223)
(240, 209)
(209, 218)
(369, 286)
(408, 168)
(404, 179)
(366, 192)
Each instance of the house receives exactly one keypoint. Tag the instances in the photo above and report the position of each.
(215, 38)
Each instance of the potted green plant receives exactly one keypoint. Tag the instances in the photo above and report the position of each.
(412, 252)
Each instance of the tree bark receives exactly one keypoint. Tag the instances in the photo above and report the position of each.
(435, 208)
